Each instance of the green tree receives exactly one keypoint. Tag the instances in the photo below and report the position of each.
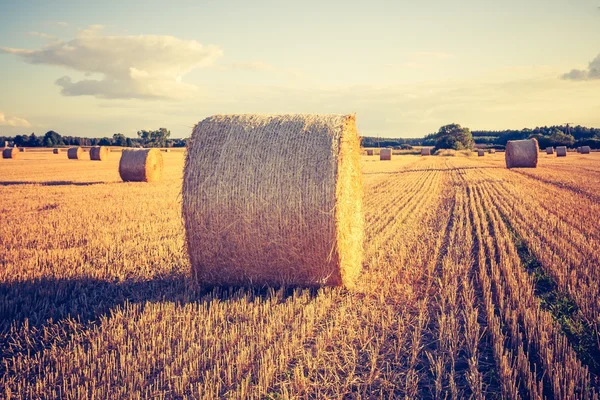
(453, 136)
(156, 138)
(119, 140)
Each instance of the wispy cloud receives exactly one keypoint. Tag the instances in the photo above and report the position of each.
(13, 121)
(42, 35)
(145, 66)
(592, 72)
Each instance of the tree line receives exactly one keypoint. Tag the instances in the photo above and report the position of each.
(145, 138)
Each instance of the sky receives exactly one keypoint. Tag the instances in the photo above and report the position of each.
(405, 68)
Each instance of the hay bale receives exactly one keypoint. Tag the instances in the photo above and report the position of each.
(579, 149)
(370, 152)
(561, 151)
(99, 153)
(10, 152)
(585, 150)
(425, 151)
(549, 150)
(22, 149)
(480, 153)
(492, 151)
(521, 153)
(54, 151)
(74, 153)
(141, 165)
(167, 150)
(385, 154)
(290, 217)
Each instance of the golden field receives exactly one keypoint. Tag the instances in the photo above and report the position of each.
(478, 282)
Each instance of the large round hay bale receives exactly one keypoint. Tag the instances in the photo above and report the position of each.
(74, 153)
(480, 153)
(54, 151)
(369, 152)
(10, 152)
(425, 151)
(561, 151)
(549, 150)
(385, 154)
(287, 217)
(585, 150)
(99, 153)
(521, 153)
(141, 165)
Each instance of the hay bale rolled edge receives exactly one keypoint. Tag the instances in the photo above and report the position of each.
(549, 150)
(141, 165)
(10, 152)
(297, 210)
(585, 149)
(561, 151)
(74, 153)
(521, 153)
(99, 153)
(385, 154)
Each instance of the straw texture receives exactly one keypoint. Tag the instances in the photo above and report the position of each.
(425, 151)
(549, 150)
(74, 153)
(287, 217)
(141, 165)
(99, 153)
(521, 153)
(385, 154)
(561, 151)
(480, 153)
(585, 150)
(10, 152)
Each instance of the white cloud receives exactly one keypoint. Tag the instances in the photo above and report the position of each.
(42, 35)
(13, 121)
(592, 72)
(145, 66)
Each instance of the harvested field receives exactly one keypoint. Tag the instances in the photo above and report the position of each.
(478, 282)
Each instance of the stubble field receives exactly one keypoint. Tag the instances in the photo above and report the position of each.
(478, 281)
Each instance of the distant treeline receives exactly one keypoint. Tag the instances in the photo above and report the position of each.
(157, 138)
(556, 135)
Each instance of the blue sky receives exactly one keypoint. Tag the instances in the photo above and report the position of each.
(405, 68)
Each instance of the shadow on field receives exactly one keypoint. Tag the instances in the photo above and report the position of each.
(49, 183)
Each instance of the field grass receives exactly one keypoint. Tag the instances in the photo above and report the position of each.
(478, 282)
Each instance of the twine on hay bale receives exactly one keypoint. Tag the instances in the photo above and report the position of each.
(480, 153)
(99, 153)
(385, 154)
(288, 217)
(550, 150)
(54, 151)
(10, 152)
(425, 151)
(370, 152)
(521, 153)
(74, 153)
(585, 150)
(141, 165)
(561, 151)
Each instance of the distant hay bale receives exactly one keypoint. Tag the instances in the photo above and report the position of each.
(385, 154)
(21, 149)
(99, 153)
(492, 151)
(521, 153)
(549, 150)
(141, 165)
(288, 217)
(54, 151)
(10, 152)
(370, 152)
(480, 153)
(425, 151)
(579, 149)
(74, 153)
(561, 151)
(585, 150)
(167, 150)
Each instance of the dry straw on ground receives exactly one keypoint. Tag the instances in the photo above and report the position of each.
(10, 152)
(480, 153)
(370, 152)
(561, 151)
(99, 153)
(385, 154)
(549, 150)
(54, 151)
(74, 153)
(425, 151)
(141, 165)
(521, 153)
(287, 217)
(585, 150)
